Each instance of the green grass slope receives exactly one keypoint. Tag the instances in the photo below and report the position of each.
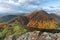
(17, 29)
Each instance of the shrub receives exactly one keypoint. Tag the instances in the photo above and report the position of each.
(19, 29)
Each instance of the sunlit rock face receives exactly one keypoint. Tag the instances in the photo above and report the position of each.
(42, 20)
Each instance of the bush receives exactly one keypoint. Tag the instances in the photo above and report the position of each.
(19, 29)
(5, 32)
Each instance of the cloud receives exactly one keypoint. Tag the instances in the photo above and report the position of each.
(26, 5)
(9, 10)
(51, 8)
(31, 2)
(34, 1)
(21, 1)
(13, 3)
(4, 9)
(20, 11)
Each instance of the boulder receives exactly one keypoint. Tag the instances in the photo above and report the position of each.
(29, 36)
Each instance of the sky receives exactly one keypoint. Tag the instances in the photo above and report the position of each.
(27, 6)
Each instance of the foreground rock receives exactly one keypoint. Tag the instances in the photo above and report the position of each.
(10, 37)
(36, 35)
(29, 36)
(49, 36)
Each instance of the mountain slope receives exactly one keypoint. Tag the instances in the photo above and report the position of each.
(23, 19)
(6, 18)
(42, 20)
(38, 13)
(55, 16)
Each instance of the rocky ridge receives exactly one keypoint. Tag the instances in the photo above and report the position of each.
(36, 35)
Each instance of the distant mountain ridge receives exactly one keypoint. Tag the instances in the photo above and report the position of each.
(37, 19)
(55, 15)
(6, 18)
(58, 14)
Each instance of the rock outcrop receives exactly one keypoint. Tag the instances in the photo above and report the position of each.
(29, 36)
(37, 35)
(10, 37)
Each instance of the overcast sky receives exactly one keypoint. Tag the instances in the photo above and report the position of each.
(25, 6)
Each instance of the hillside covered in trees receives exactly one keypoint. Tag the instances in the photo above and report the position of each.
(42, 20)
(21, 24)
